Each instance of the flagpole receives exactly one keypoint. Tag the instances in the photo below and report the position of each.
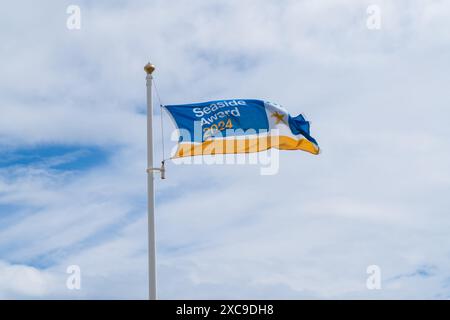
(149, 68)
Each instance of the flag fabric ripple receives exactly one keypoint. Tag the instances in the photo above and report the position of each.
(238, 126)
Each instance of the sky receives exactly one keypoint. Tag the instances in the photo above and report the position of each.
(73, 150)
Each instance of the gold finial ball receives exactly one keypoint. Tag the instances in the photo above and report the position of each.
(149, 68)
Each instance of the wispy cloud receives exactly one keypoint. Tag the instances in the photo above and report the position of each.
(72, 145)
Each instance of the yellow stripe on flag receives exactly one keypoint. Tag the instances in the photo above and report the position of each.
(247, 145)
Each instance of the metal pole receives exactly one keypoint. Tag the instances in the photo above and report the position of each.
(149, 68)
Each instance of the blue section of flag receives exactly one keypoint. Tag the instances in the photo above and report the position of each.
(237, 114)
(299, 125)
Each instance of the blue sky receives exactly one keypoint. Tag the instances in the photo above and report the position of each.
(73, 150)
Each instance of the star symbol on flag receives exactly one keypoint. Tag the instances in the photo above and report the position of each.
(279, 117)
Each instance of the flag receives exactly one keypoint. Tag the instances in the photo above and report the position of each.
(238, 126)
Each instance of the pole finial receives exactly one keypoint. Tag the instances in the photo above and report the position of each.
(149, 68)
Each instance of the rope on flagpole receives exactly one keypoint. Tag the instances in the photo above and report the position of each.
(163, 169)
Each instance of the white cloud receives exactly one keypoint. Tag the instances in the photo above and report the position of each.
(21, 281)
(377, 194)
